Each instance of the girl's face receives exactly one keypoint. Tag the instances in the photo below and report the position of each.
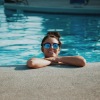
(51, 49)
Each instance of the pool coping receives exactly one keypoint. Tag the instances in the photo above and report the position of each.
(75, 9)
(17, 82)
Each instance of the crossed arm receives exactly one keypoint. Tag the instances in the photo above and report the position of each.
(67, 60)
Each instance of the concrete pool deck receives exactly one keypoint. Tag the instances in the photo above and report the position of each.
(57, 6)
(17, 82)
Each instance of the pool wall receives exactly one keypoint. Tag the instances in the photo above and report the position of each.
(56, 7)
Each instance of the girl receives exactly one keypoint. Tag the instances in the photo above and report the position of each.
(51, 46)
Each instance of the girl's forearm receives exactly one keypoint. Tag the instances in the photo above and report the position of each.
(38, 63)
(72, 60)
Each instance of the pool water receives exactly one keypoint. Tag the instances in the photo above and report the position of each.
(21, 35)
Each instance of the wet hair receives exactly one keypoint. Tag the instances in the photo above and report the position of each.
(52, 34)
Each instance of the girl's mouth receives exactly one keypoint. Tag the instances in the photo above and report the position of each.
(51, 52)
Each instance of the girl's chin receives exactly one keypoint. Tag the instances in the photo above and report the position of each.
(50, 56)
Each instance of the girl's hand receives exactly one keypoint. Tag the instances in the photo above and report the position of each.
(54, 60)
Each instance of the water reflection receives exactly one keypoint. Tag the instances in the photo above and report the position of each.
(22, 34)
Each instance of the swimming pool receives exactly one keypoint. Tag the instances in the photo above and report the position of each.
(21, 35)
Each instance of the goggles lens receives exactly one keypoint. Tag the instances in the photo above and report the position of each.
(48, 45)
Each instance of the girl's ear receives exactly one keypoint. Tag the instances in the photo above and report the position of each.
(59, 51)
(42, 49)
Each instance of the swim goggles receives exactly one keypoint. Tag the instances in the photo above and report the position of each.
(48, 45)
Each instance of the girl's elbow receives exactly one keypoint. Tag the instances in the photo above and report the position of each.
(31, 64)
(83, 62)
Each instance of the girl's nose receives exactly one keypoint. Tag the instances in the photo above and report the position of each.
(51, 47)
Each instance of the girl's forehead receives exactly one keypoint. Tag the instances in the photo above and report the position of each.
(51, 40)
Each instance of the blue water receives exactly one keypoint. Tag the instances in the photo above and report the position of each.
(21, 35)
